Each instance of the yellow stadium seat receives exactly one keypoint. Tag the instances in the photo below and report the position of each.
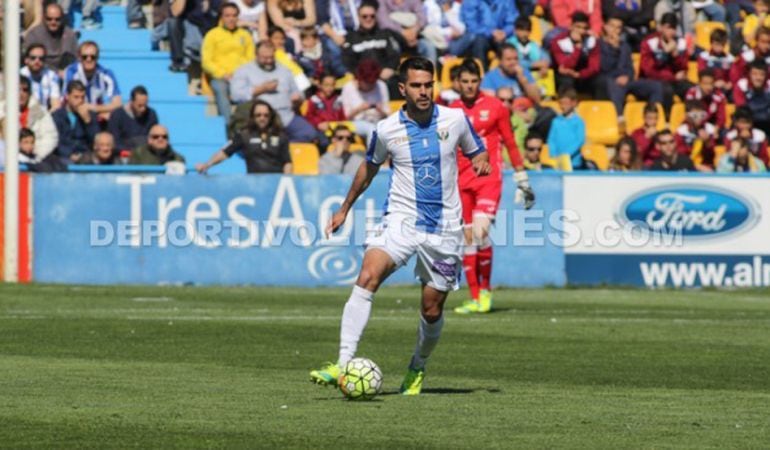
(450, 62)
(357, 147)
(596, 153)
(703, 33)
(304, 157)
(677, 116)
(636, 58)
(536, 34)
(343, 80)
(692, 72)
(719, 151)
(562, 162)
(395, 105)
(303, 108)
(601, 121)
(729, 111)
(545, 157)
(634, 114)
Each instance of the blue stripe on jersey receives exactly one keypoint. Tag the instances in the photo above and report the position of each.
(370, 148)
(476, 139)
(426, 164)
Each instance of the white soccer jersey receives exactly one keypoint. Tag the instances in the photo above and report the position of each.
(423, 182)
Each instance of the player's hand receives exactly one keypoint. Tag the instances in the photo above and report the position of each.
(524, 193)
(201, 168)
(335, 222)
(481, 164)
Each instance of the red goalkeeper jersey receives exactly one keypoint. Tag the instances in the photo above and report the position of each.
(492, 123)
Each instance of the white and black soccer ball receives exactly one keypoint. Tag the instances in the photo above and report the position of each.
(361, 379)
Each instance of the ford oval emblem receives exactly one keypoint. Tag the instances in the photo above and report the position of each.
(692, 211)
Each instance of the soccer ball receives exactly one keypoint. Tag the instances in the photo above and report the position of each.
(361, 379)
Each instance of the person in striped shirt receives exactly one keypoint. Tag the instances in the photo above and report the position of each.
(102, 91)
(46, 84)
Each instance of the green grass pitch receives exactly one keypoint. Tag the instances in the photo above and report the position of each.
(161, 367)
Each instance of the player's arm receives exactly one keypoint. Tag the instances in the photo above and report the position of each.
(473, 148)
(524, 193)
(376, 154)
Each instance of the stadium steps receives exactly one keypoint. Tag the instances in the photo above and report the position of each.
(127, 53)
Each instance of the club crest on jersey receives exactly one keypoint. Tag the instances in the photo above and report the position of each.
(484, 114)
(443, 134)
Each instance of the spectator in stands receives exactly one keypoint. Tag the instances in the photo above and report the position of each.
(450, 93)
(523, 115)
(161, 17)
(76, 124)
(336, 18)
(670, 159)
(576, 56)
(46, 84)
(743, 128)
(510, 74)
(102, 91)
(190, 20)
(645, 136)
(711, 97)
(91, 14)
(563, 14)
(739, 159)
(34, 163)
(718, 60)
(134, 15)
(683, 11)
(761, 52)
(262, 143)
(531, 55)
(617, 70)
(488, 22)
(338, 159)
(291, 16)
(753, 92)
(626, 157)
(274, 84)
(312, 58)
(568, 131)
(370, 42)
(696, 137)
(325, 105)
(252, 16)
(533, 146)
(737, 10)
(365, 99)
(752, 22)
(103, 153)
(406, 19)
(60, 41)
(635, 15)
(225, 48)
(664, 58)
(131, 124)
(278, 37)
(35, 117)
(157, 150)
(444, 26)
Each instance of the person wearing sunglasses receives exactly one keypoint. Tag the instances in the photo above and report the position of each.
(338, 158)
(262, 143)
(157, 151)
(45, 82)
(59, 40)
(670, 159)
(533, 147)
(102, 91)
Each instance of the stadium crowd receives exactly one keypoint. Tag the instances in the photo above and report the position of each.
(616, 85)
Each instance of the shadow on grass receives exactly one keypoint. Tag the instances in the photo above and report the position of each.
(428, 391)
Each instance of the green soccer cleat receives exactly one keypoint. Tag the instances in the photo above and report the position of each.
(468, 307)
(485, 301)
(326, 375)
(412, 384)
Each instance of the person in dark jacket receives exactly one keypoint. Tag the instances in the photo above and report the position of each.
(131, 124)
(753, 92)
(664, 58)
(617, 69)
(637, 18)
(157, 150)
(76, 123)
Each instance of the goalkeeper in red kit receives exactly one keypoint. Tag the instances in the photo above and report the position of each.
(481, 195)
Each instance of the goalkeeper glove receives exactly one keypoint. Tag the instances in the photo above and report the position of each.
(524, 193)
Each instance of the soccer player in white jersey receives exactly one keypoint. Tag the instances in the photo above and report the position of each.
(422, 215)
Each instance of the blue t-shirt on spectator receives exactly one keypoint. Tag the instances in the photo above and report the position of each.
(496, 79)
(528, 54)
(566, 137)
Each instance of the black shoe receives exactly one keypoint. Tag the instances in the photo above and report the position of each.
(177, 68)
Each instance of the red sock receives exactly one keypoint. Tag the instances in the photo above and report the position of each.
(469, 266)
(484, 266)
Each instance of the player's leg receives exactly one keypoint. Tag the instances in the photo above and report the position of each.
(468, 199)
(483, 218)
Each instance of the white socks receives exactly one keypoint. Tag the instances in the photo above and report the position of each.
(427, 338)
(354, 319)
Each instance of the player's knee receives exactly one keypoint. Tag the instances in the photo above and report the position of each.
(368, 279)
(431, 315)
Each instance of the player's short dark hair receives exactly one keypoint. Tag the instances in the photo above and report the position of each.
(743, 113)
(651, 107)
(661, 133)
(581, 17)
(669, 19)
(758, 64)
(522, 23)
(138, 90)
(568, 92)
(708, 73)
(414, 63)
(719, 36)
(34, 46)
(694, 105)
(320, 76)
(454, 72)
(470, 66)
(75, 85)
(26, 132)
(25, 83)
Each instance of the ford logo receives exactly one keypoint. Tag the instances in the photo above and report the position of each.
(691, 211)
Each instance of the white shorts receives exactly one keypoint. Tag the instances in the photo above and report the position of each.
(439, 256)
